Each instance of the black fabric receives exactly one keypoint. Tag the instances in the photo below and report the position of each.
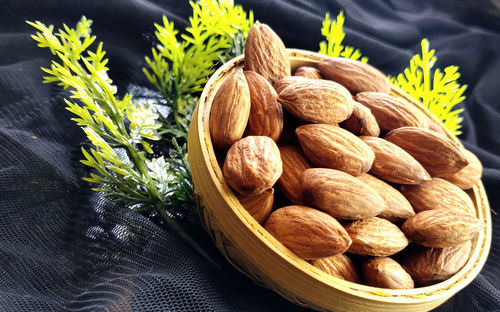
(63, 248)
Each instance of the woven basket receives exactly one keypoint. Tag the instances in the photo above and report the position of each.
(253, 251)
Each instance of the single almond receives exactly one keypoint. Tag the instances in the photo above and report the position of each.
(329, 146)
(281, 84)
(230, 111)
(294, 163)
(258, 205)
(441, 227)
(252, 165)
(375, 237)
(392, 112)
(354, 75)
(308, 72)
(339, 266)
(398, 207)
(340, 194)
(437, 194)
(265, 53)
(361, 122)
(470, 175)
(309, 233)
(266, 113)
(438, 154)
(305, 99)
(384, 272)
(393, 164)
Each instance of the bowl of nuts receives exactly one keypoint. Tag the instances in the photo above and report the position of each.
(319, 179)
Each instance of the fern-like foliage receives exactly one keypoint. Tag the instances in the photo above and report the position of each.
(333, 31)
(439, 91)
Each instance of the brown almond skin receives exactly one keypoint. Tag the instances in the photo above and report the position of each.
(340, 194)
(441, 227)
(384, 272)
(392, 112)
(434, 126)
(431, 265)
(470, 175)
(266, 113)
(398, 207)
(339, 266)
(308, 72)
(230, 111)
(252, 165)
(375, 237)
(294, 163)
(309, 233)
(393, 164)
(329, 146)
(281, 84)
(361, 122)
(258, 205)
(437, 194)
(317, 101)
(438, 154)
(265, 53)
(354, 75)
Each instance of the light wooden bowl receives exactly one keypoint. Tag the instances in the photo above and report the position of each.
(253, 251)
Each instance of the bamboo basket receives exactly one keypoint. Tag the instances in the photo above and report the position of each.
(253, 251)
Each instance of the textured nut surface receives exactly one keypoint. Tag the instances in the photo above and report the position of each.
(265, 53)
(318, 101)
(252, 165)
(340, 194)
(392, 112)
(308, 72)
(394, 164)
(354, 75)
(398, 207)
(437, 194)
(430, 265)
(281, 84)
(468, 176)
(294, 163)
(266, 113)
(230, 111)
(438, 154)
(339, 266)
(361, 122)
(384, 272)
(258, 205)
(375, 237)
(308, 232)
(329, 146)
(441, 228)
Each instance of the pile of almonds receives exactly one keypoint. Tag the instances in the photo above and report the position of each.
(369, 189)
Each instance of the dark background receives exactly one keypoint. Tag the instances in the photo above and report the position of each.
(63, 248)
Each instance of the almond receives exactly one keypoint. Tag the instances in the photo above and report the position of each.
(258, 205)
(438, 154)
(340, 194)
(375, 237)
(434, 126)
(266, 113)
(437, 194)
(318, 101)
(329, 146)
(470, 175)
(265, 53)
(230, 111)
(393, 164)
(281, 84)
(308, 72)
(430, 265)
(339, 266)
(441, 227)
(294, 163)
(307, 232)
(392, 112)
(252, 165)
(361, 122)
(354, 75)
(398, 208)
(384, 272)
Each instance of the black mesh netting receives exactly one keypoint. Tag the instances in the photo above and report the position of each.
(63, 248)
